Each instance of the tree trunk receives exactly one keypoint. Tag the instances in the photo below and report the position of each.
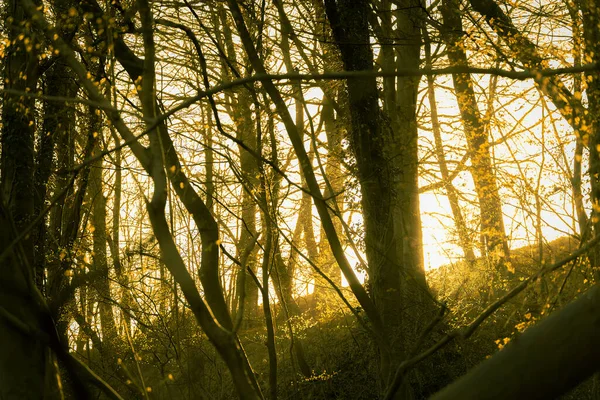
(240, 109)
(334, 190)
(464, 238)
(494, 242)
(385, 148)
(22, 357)
(590, 15)
(99, 233)
(246, 288)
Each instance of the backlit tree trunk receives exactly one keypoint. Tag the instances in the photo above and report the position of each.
(494, 242)
(385, 147)
(464, 238)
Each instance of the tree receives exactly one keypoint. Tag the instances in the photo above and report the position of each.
(493, 236)
(23, 363)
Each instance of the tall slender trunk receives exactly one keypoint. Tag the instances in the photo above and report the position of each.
(282, 274)
(246, 290)
(590, 12)
(494, 242)
(22, 357)
(267, 263)
(57, 83)
(100, 262)
(334, 190)
(578, 43)
(590, 16)
(464, 238)
(249, 168)
(336, 121)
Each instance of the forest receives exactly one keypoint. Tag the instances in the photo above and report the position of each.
(299, 199)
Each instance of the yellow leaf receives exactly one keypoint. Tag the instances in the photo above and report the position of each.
(510, 267)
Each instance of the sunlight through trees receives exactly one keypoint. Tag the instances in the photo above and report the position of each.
(299, 199)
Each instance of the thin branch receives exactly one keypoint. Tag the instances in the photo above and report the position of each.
(403, 72)
(59, 99)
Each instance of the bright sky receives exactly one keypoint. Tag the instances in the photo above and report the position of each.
(518, 131)
(528, 142)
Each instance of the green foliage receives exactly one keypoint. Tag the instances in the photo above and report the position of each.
(468, 289)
